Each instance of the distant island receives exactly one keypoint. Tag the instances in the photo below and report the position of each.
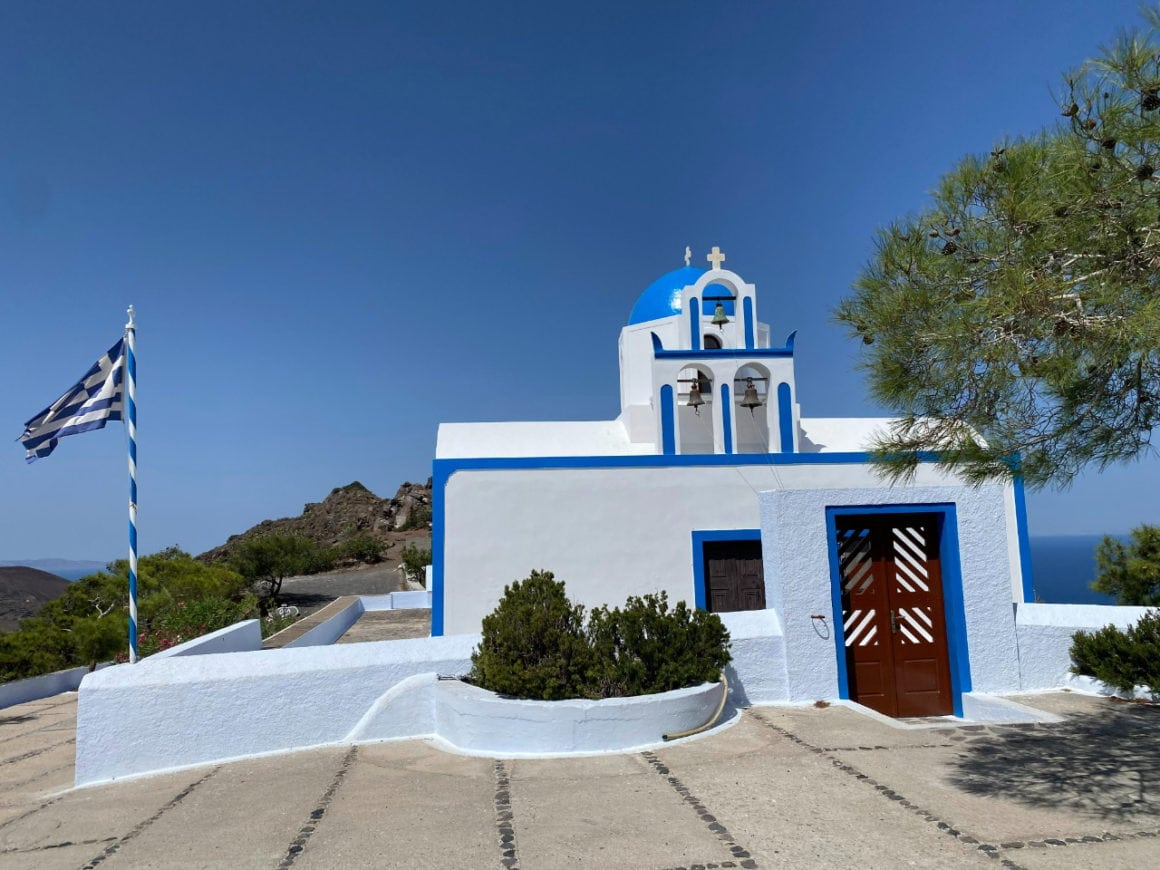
(55, 565)
(23, 591)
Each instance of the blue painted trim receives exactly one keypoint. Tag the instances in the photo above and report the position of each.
(790, 340)
(785, 417)
(748, 307)
(954, 610)
(700, 537)
(656, 340)
(836, 602)
(656, 460)
(438, 531)
(1025, 567)
(668, 429)
(726, 419)
(694, 324)
(735, 352)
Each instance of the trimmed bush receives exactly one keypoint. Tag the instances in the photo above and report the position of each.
(533, 643)
(536, 645)
(646, 648)
(1122, 659)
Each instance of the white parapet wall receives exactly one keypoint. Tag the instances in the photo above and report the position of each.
(1045, 632)
(182, 711)
(190, 709)
(239, 637)
(44, 686)
(480, 722)
(757, 674)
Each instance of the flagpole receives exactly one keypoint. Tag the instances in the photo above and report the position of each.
(131, 428)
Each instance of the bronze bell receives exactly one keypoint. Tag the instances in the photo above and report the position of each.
(695, 401)
(750, 400)
(719, 316)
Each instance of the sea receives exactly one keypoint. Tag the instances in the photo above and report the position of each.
(1063, 568)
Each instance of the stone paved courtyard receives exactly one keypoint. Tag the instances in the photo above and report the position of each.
(783, 787)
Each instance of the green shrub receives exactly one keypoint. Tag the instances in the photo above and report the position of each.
(361, 547)
(189, 619)
(533, 643)
(646, 647)
(415, 561)
(536, 645)
(1123, 659)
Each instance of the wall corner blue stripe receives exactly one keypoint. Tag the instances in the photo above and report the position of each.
(726, 418)
(785, 417)
(441, 472)
(695, 323)
(668, 429)
(749, 317)
(1025, 569)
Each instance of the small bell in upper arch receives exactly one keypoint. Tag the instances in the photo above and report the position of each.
(719, 316)
(750, 400)
(695, 401)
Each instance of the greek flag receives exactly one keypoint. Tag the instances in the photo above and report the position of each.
(98, 397)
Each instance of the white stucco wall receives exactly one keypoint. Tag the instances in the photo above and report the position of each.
(566, 438)
(613, 532)
(195, 709)
(797, 565)
(239, 637)
(757, 674)
(1045, 632)
(481, 722)
(44, 686)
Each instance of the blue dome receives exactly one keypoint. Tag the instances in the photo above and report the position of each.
(662, 298)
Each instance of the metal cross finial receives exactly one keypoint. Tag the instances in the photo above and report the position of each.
(716, 257)
(688, 255)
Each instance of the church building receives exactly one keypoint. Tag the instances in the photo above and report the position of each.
(713, 486)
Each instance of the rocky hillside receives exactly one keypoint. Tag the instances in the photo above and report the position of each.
(23, 591)
(350, 510)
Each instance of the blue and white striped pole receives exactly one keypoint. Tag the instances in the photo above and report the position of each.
(131, 428)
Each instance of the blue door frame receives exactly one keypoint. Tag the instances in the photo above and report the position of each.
(952, 582)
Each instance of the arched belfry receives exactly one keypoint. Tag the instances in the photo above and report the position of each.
(698, 373)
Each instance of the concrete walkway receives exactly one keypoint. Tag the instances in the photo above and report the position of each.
(784, 787)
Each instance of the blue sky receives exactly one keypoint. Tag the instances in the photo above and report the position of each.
(342, 223)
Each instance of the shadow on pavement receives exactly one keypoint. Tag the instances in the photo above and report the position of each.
(1106, 763)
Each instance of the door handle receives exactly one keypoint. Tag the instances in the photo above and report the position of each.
(893, 622)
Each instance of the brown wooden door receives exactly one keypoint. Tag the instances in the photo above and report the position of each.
(734, 576)
(892, 614)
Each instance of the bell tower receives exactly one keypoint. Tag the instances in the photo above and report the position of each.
(697, 372)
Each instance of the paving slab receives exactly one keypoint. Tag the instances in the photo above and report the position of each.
(389, 625)
(790, 806)
(781, 787)
(610, 810)
(97, 815)
(1122, 855)
(245, 815)
(407, 804)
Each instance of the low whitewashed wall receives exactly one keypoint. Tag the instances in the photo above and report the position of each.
(757, 674)
(411, 599)
(328, 632)
(1045, 632)
(478, 721)
(44, 686)
(195, 709)
(239, 637)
